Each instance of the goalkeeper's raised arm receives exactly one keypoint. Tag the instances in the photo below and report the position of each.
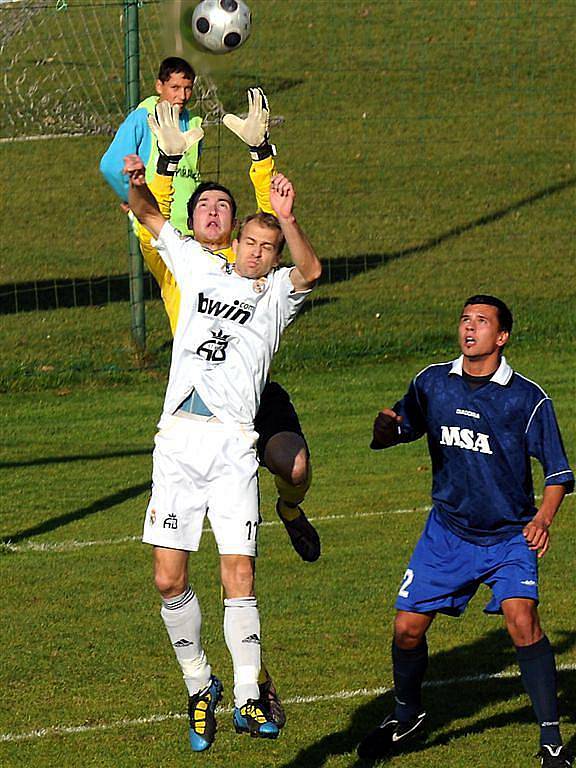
(173, 143)
(254, 131)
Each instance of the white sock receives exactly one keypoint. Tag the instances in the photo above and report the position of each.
(242, 635)
(183, 620)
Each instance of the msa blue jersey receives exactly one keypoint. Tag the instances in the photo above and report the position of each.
(480, 444)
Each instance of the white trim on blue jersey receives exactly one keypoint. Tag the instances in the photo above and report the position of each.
(501, 375)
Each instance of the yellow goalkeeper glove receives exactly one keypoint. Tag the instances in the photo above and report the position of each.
(253, 130)
(173, 142)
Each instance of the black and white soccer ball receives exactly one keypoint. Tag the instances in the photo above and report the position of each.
(221, 26)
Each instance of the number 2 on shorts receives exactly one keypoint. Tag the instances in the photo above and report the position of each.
(406, 581)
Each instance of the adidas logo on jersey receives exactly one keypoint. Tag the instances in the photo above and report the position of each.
(239, 312)
(465, 438)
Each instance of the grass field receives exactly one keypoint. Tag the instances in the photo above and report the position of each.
(435, 138)
(85, 645)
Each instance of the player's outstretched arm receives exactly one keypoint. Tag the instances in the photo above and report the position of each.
(307, 265)
(537, 532)
(141, 201)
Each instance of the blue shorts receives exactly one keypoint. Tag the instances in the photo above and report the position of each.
(445, 571)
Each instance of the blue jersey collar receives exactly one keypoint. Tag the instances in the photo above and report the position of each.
(502, 374)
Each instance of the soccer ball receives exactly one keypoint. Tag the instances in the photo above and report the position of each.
(221, 26)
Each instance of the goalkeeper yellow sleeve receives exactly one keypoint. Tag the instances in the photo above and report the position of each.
(163, 190)
(261, 173)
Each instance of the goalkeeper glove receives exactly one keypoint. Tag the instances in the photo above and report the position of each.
(173, 142)
(254, 129)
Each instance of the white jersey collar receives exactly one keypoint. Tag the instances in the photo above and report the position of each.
(502, 374)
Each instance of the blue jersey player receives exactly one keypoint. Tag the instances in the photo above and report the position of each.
(483, 422)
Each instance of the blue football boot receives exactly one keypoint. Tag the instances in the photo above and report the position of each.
(201, 708)
(254, 718)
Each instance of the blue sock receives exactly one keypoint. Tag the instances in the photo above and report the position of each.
(538, 670)
(409, 669)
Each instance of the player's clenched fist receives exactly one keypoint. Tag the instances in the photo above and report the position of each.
(282, 196)
(135, 169)
(386, 429)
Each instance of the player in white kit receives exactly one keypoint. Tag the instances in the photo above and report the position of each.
(205, 464)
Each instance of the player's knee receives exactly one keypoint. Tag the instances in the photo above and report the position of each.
(286, 455)
(170, 584)
(238, 577)
(524, 627)
(299, 472)
(408, 634)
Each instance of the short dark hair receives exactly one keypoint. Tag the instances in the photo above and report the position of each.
(505, 319)
(209, 186)
(172, 65)
(265, 220)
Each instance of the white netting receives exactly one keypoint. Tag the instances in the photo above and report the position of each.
(63, 66)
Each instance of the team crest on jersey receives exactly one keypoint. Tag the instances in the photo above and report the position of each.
(466, 439)
(214, 350)
(259, 285)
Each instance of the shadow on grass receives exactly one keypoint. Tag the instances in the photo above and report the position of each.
(461, 683)
(94, 291)
(70, 459)
(101, 505)
(343, 268)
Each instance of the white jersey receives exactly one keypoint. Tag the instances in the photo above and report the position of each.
(228, 330)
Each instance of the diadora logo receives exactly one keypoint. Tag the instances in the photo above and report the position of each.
(464, 412)
(465, 438)
(239, 312)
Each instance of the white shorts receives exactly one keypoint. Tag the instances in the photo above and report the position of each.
(204, 469)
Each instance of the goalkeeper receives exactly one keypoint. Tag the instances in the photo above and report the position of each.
(174, 84)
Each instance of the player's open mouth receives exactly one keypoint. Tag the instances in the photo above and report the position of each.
(469, 340)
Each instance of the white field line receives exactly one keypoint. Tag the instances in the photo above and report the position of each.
(67, 730)
(67, 546)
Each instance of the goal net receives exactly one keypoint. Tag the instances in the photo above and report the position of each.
(63, 66)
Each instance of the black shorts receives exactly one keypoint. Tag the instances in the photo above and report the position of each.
(276, 414)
